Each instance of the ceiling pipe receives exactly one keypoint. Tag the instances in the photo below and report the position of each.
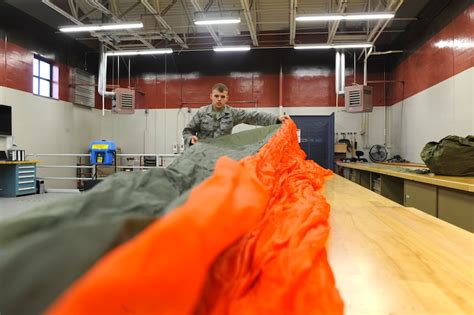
(293, 5)
(376, 53)
(197, 7)
(102, 38)
(248, 17)
(165, 24)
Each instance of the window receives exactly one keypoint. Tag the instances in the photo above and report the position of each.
(42, 76)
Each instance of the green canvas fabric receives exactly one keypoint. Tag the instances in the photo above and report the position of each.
(43, 251)
(452, 155)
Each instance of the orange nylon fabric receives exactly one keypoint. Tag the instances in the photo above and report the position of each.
(249, 240)
(280, 266)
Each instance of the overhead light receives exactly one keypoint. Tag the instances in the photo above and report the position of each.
(346, 16)
(100, 27)
(369, 16)
(333, 46)
(231, 48)
(211, 21)
(316, 46)
(139, 52)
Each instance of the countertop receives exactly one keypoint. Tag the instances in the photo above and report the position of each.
(390, 259)
(454, 182)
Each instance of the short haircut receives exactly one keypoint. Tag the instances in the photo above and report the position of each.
(220, 87)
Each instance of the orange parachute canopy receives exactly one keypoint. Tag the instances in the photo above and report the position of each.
(249, 240)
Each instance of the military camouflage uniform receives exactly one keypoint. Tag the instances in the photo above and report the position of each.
(208, 123)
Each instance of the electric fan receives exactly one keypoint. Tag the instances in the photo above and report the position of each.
(378, 153)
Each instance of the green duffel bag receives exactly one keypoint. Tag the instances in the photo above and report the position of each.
(452, 155)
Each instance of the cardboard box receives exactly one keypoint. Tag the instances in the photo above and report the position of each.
(340, 148)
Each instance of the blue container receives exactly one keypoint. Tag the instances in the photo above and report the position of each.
(102, 152)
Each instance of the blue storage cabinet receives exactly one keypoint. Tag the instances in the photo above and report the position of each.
(17, 179)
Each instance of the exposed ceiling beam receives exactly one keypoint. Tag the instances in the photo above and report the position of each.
(133, 6)
(248, 17)
(157, 5)
(374, 34)
(165, 24)
(72, 6)
(341, 7)
(393, 6)
(293, 5)
(102, 8)
(167, 8)
(86, 15)
(102, 38)
(114, 7)
(197, 7)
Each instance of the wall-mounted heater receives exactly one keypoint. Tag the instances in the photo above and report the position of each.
(124, 102)
(358, 98)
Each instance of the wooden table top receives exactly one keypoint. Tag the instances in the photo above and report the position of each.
(454, 182)
(390, 259)
(18, 162)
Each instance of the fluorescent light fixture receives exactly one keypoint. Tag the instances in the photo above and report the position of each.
(100, 27)
(369, 16)
(347, 16)
(316, 46)
(231, 48)
(211, 21)
(333, 46)
(317, 18)
(139, 52)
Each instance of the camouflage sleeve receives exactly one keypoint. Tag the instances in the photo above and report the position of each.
(191, 129)
(242, 116)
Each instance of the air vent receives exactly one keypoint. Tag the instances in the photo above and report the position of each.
(124, 101)
(358, 98)
(82, 88)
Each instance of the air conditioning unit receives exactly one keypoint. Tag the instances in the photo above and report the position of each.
(124, 102)
(82, 88)
(358, 98)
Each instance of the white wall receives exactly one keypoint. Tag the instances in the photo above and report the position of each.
(158, 130)
(44, 125)
(446, 108)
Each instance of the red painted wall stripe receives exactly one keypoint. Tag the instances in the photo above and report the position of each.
(314, 88)
(446, 54)
(16, 70)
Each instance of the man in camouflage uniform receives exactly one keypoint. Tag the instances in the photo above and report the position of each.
(218, 119)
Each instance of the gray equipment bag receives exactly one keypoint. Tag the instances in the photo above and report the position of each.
(452, 155)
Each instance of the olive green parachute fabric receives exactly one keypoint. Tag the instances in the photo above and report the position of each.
(43, 251)
(451, 156)
(249, 240)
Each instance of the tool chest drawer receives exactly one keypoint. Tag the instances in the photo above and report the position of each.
(17, 179)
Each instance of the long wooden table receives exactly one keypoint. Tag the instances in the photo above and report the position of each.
(390, 259)
(449, 198)
(454, 182)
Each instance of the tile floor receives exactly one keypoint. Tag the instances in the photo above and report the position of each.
(10, 207)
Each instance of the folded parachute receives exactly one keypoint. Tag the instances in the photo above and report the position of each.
(248, 239)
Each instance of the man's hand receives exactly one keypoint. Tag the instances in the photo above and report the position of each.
(194, 139)
(283, 118)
